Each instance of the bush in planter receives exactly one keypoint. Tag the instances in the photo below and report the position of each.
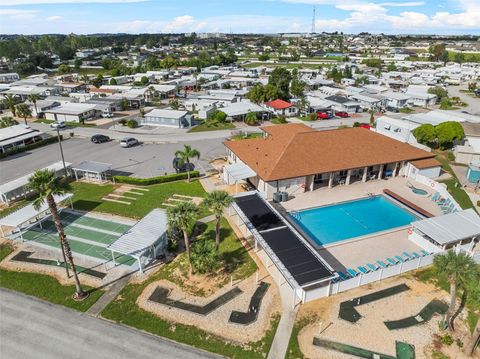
(132, 123)
(122, 121)
(155, 180)
(313, 116)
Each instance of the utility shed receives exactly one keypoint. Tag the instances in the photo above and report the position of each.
(145, 239)
(444, 232)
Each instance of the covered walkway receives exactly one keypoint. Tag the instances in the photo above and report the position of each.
(93, 171)
(233, 174)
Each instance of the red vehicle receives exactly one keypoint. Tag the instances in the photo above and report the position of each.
(365, 125)
(323, 115)
(342, 114)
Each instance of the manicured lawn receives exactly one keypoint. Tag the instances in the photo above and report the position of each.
(243, 137)
(237, 263)
(458, 193)
(212, 127)
(43, 286)
(71, 124)
(88, 197)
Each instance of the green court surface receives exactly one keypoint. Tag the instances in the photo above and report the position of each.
(94, 222)
(82, 239)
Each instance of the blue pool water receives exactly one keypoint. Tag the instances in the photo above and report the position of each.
(330, 224)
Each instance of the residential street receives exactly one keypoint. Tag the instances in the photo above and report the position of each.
(146, 160)
(30, 328)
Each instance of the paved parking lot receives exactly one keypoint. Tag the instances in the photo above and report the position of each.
(145, 160)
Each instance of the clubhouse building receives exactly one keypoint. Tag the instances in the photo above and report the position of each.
(295, 158)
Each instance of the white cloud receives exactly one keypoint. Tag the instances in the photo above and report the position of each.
(54, 18)
(38, 2)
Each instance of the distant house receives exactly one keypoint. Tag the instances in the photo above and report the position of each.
(281, 108)
(341, 103)
(419, 96)
(239, 110)
(8, 78)
(368, 102)
(469, 152)
(169, 118)
(395, 99)
(72, 112)
(18, 136)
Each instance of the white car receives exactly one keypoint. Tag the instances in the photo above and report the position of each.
(58, 125)
(107, 115)
(128, 142)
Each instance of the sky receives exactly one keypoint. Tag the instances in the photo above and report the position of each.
(445, 17)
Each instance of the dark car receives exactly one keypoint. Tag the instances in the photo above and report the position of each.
(392, 109)
(182, 167)
(99, 138)
(342, 114)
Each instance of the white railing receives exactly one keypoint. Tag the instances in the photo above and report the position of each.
(439, 187)
(382, 273)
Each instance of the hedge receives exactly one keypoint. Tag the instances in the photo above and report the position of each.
(41, 143)
(155, 180)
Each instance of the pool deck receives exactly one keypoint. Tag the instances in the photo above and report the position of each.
(325, 196)
(367, 249)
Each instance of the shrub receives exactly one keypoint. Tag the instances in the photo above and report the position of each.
(204, 257)
(132, 123)
(446, 339)
(313, 116)
(356, 124)
(154, 180)
(122, 121)
(281, 119)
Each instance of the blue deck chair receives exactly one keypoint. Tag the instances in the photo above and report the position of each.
(416, 255)
(363, 270)
(401, 259)
(382, 264)
(407, 255)
(435, 196)
(372, 267)
(424, 252)
(392, 261)
(343, 276)
(352, 272)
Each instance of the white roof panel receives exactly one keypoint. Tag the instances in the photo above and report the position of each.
(143, 234)
(452, 227)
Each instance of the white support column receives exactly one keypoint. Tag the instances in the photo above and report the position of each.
(330, 180)
(349, 174)
(395, 169)
(364, 178)
(113, 258)
(139, 259)
(380, 172)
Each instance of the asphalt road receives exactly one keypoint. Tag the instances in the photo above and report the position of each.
(145, 160)
(31, 328)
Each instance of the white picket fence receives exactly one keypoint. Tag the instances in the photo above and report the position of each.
(380, 274)
(439, 187)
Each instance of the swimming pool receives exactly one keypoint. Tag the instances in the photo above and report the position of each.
(339, 222)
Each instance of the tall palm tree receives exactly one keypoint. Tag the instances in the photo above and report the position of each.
(458, 268)
(217, 202)
(47, 185)
(33, 98)
(183, 216)
(9, 102)
(185, 156)
(23, 110)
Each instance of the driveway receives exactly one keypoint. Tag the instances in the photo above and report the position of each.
(473, 106)
(146, 160)
(31, 328)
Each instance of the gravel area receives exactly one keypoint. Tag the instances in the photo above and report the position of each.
(217, 322)
(370, 332)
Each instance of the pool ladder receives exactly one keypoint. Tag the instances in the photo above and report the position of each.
(296, 215)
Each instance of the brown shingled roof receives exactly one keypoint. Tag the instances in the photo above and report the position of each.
(426, 163)
(297, 150)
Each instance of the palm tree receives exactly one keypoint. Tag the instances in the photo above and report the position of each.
(217, 202)
(183, 216)
(33, 98)
(458, 268)
(185, 157)
(23, 110)
(47, 185)
(251, 118)
(9, 102)
(7, 121)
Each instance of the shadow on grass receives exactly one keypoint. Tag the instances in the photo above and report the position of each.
(85, 205)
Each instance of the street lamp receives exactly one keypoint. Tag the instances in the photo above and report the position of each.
(61, 151)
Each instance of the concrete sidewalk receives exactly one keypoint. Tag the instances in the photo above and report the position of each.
(110, 294)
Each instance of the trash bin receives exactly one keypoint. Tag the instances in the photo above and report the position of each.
(284, 196)
(277, 197)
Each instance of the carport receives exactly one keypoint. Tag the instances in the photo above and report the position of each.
(236, 172)
(18, 188)
(145, 239)
(93, 171)
(28, 216)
